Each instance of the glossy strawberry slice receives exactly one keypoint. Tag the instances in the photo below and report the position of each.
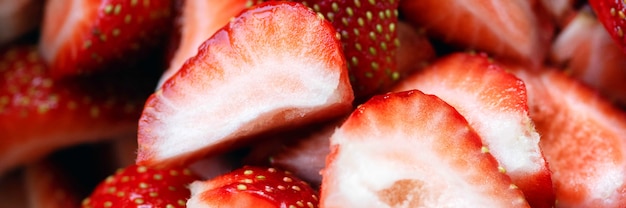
(612, 14)
(408, 149)
(253, 187)
(251, 77)
(508, 29)
(586, 51)
(583, 138)
(198, 21)
(139, 186)
(80, 37)
(39, 114)
(494, 103)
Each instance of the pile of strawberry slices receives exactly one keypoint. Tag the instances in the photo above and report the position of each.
(312, 103)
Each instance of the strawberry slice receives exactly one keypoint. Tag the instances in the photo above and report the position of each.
(198, 21)
(559, 10)
(139, 186)
(612, 14)
(586, 51)
(509, 29)
(19, 17)
(583, 139)
(39, 114)
(408, 149)
(253, 187)
(494, 103)
(85, 36)
(251, 77)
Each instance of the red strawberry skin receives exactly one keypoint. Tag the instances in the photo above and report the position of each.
(252, 186)
(39, 114)
(81, 37)
(612, 14)
(139, 186)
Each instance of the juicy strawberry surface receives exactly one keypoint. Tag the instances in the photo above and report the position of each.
(304, 80)
(583, 138)
(517, 34)
(252, 186)
(139, 186)
(585, 50)
(198, 21)
(409, 149)
(612, 14)
(39, 114)
(80, 37)
(495, 104)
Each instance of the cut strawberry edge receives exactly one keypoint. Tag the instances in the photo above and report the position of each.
(411, 149)
(306, 81)
(582, 138)
(495, 104)
(199, 21)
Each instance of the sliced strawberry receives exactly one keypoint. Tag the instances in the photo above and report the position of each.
(583, 139)
(48, 187)
(253, 187)
(494, 103)
(139, 186)
(586, 51)
(409, 149)
(39, 114)
(19, 17)
(508, 29)
(612, 14)
(251, 77)
(86, 36)
(199, 20)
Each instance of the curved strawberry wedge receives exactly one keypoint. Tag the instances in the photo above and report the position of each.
(79, 37)
(508, 29)
(199, 20)
(583, 138)
(276, 65)
(408, 149)
(494, 102)
(612, 15)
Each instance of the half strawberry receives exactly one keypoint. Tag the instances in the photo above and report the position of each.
(252, 76)
(81, 37)
(408, 149)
